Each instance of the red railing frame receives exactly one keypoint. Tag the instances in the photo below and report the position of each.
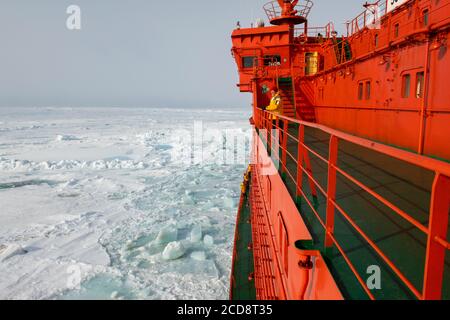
(331, 189)
(436, 231)
(326, 31)
(437, 245)
(361, 21)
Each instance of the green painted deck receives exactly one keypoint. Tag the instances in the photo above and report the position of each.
(243, 263)
(407, 186)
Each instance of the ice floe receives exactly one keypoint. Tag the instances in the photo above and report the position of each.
(174, 250)
(208, 240)
(196, 233)
(11, 251)
(198, 255)
(166, 235)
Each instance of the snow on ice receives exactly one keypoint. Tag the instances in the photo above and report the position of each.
(10, 251)
(66, 137)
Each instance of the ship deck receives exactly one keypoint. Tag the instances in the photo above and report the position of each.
(407, 186)
(242, 287)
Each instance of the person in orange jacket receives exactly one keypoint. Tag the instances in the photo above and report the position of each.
(275, 105)
(276, 108)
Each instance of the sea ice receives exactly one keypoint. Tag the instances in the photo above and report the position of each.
(115, 295)
(208, 240)
(229, 202)
(132, 194)
(166, 235)
(66, 137)
(11, 251)
(192, 269)
(196, 233)
(198, 255)
(173, 251)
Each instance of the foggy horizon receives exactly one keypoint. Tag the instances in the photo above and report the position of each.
(130, 54)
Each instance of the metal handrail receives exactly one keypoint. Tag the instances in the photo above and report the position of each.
(367, 18)
(384, 39)
(439, 207)
(325, 31)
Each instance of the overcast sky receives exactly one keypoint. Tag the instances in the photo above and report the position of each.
(143, 53)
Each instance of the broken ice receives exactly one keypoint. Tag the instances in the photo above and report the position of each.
(167, 235)
(173, 251)
(198, 255)
(208, 241)
(127, 171)
(196, 234)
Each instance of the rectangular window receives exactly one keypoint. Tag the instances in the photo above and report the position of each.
(368, 90)
(426, 17)
(406, 85)
(247, 62)
(321, 63)
(420, 81)
(360, 91)
(321, 93)
(272, 61)
(396, 30)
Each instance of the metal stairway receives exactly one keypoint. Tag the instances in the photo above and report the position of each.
(295, 106)
(287, 97)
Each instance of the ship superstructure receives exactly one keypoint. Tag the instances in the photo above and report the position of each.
(348, 194)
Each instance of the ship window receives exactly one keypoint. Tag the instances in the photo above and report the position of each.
(406, 85)
(321, 63)
(420, 77)
(368, 90)
(360, 91)
(247, 62)
(272, 61)
(396, 30)
(376, 40)
(321, 93)
(426, 16)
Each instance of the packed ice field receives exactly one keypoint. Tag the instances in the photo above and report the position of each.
(115, 203)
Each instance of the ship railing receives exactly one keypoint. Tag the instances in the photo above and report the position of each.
(370, 18)
(439, 209)
(273, 9)
(340, 48)
(325, 32)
